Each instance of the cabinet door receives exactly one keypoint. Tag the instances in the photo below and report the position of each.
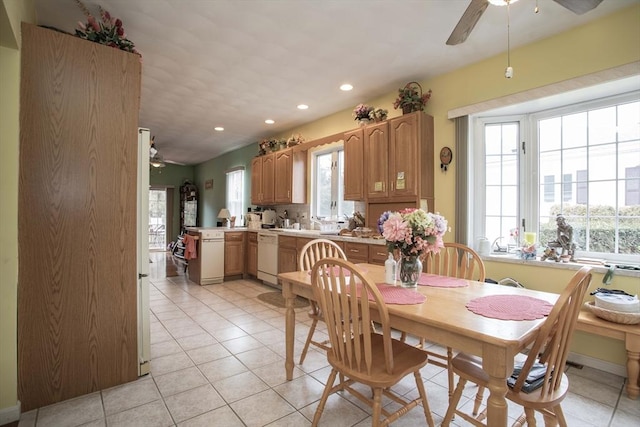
(353, 162)
(287, 259)
(256, 181)
(268, 179)
(403, 156)
(376, 150)
(283, 171)
(233, 253)
(252, 253)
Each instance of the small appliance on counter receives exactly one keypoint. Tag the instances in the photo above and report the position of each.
(269, 218)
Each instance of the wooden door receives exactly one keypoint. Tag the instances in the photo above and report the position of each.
(287, 254)
(252, 254)
(256, 181)
(353, 165)
(234, 253)
(77, 290)
(376, 150)
(403, 156)
(283, 178)
(268, 179)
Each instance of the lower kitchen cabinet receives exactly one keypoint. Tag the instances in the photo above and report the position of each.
(252, 253)
(234, 253)
(378, 254)
(287, 254)
(357, 252)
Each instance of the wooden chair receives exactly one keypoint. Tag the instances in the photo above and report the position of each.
(550, 348)
(454, 260)
(358, 354)
(310, 253)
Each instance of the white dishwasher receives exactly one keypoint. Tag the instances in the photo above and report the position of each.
(211, 256)
(268, 257)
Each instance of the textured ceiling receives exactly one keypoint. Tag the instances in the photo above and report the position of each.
(235, 63)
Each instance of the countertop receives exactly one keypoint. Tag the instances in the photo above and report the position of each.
(294, 233)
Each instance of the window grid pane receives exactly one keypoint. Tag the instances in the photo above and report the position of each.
(597, 150)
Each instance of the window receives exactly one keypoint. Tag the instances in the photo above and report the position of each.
(581, 161)
(235, 192)
(328, 184)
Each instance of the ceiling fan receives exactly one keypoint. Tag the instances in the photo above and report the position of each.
(476, 8)
(155, 158)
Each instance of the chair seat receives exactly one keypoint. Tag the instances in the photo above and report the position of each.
(405, 357)
(469, 367)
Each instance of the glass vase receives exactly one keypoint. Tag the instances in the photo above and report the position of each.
(410, 270)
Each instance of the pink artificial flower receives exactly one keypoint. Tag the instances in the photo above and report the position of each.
(395, 229)
(93, 23)
(82, 26)
(118, 23)
(120, 31)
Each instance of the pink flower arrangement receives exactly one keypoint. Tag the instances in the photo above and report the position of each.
(108, 31)
(413, 231)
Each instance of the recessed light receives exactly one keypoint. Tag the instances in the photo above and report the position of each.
(218, 128)
(269, 121)
(346, 87)
(303, 107)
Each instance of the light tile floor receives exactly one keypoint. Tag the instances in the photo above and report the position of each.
(218, 360)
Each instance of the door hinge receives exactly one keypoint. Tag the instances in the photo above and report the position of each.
(141, 275)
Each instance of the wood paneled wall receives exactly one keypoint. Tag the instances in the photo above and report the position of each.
(77, 321)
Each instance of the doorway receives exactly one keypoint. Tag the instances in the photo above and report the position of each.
(158, 219)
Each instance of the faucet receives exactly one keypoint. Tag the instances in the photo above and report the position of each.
(498, 248)
(315, 221)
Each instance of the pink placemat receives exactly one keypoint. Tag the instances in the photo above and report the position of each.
(510, 307)
(395, 295)
(441, 281)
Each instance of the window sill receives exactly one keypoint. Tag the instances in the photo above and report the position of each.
(513, 259)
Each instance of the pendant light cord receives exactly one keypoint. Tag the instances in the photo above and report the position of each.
(508, 34)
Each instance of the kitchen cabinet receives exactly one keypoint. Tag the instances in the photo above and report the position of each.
(399, 162)
(252, 253)
(378, 254)
(279, 178)
(353, 165)
(77, 291)
(234, 253)
(263, 180)
(290, 176)
(357, 252)
(287, 254)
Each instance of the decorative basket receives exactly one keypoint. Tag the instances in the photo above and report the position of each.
(613, 316)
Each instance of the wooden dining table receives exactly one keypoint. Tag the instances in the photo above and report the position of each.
(444, 319)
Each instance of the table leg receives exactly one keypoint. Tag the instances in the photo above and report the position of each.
(632, 344)
(290, 324)
(493, 363)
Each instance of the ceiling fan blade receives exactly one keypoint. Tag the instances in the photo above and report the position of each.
(468, 20)
(579, 6)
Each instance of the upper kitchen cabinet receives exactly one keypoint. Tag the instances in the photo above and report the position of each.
(279, 178)
(77, 204)
(262, 180)
(290, 176)
(353, 161)
(376, 161)
(399, 160)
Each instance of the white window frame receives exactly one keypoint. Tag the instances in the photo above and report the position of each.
(528, 205)
(337, 190)
(235, 197)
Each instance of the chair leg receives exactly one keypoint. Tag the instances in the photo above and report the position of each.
(531, 417)
(325, 396)
(478, 401)
(312, 329)
(377, 407)
(453, 402)
(425, 401)
(560, 416)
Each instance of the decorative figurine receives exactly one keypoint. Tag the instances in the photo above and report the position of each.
(563, 243)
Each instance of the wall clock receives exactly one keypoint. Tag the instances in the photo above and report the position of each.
(445, 158)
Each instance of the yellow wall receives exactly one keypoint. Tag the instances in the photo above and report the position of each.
(12, 12)
(606, 43)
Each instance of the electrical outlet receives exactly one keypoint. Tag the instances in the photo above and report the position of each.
(304, 215)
